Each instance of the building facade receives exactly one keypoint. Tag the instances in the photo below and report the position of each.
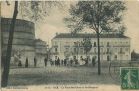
(25, 45)
(41, 51)
(23, 40)
(112, 46)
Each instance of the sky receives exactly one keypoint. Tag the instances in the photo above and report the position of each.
(54, 22)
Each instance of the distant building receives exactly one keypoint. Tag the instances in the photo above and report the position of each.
(41, 49)
(24, 43)
(112, 46)
(134, 56)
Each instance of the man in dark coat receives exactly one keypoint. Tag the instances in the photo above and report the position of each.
(26, 63)
(76, 61)
(62, 62)
(65, 62)
(93, 62)
(45, 61)
(58, 61)
(35, 62)
(71, 62)
(20, 63)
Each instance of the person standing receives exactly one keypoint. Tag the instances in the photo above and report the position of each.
(20, 63)
(71, 62)
(93, 61)
(65, 62)
(35, 62)
(76, 61)
(62, 62)
(45, 61)
(26, 63)
(58, 61)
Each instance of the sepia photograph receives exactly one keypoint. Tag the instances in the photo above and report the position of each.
(69, 45)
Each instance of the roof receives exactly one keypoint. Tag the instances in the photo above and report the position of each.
(90, 35)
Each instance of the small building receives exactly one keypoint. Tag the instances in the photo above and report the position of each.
(112, 46)
(134, 56)
(40, 50)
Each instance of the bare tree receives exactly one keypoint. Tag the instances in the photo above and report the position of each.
(100, 16)
(6, 60)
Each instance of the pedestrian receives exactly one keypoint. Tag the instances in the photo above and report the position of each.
(76, 61)
(58, 61)
(86, 61)
(26, 63)
(71, 62)
(65, 62)
(62, 62)
(51, 62)
(93, 61)
(20, 63)
(45, 61)
(55, 62)
(35, 62)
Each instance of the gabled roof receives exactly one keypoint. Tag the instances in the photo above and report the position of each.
(90, 35)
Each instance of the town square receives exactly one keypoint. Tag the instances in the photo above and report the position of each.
(69, 43)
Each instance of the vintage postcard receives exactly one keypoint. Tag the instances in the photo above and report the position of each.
(69, 45)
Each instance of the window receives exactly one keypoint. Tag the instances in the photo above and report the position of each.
(102, 50)
(115, 49)
(126, 49)
(55, 49)
(108, 50)
(108, 44)
(115, 57)
(66, 49)
(101, 43)
(108, 58)
(94, 44)
(55, 57)
(75, 50)
(55, 43)
(121, 50)
(81, 50)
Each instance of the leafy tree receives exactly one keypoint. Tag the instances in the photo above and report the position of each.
(101, 16)
(87, 45)
(35, 11)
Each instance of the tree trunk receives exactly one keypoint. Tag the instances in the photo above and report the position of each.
(98, 38)
(6, 62)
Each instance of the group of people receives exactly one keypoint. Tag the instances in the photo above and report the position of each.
(61, 62)
(26, 63)
(69, 62)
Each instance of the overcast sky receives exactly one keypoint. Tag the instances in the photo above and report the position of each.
(54, 22)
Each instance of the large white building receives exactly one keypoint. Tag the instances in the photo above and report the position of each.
(112, 46)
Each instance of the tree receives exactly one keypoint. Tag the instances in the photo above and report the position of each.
(97, 15)
(35, 11)
(6, 60)
(87, 45)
